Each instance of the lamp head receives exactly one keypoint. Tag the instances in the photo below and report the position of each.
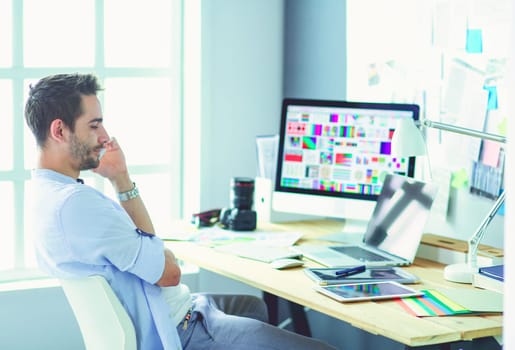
(407, 140)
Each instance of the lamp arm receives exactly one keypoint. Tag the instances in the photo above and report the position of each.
(463, 131)
(473, 243)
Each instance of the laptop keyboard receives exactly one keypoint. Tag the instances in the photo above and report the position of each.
(360, 254)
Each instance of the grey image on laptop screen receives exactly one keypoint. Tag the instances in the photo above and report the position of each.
(402, 207)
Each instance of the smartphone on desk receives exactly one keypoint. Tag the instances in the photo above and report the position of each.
(367, 291)
(329, 275)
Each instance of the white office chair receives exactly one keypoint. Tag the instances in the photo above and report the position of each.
(103, 322)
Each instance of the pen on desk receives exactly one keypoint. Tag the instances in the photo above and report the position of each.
(350, 271)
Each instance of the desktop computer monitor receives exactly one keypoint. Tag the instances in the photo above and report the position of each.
(334, 155)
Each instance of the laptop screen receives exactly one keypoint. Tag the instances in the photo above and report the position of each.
(399, 217)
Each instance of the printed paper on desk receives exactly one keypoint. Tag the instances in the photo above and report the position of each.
(218, 236)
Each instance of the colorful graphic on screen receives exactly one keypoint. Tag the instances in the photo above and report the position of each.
(340, 149)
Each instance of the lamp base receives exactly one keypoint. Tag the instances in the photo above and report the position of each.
(461, 273)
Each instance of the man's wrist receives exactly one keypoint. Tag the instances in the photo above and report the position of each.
(128, 195)
(122, 183)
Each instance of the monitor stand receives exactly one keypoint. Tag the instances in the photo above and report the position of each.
(352, 232)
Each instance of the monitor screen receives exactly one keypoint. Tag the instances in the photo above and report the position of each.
(333, 156)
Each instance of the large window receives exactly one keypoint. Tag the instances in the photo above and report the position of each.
(134, 48)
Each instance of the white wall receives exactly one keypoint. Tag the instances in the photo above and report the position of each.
(315, 53)
(241, 89)
(39, 318)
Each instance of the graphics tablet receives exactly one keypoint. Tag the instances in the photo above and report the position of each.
(367, 291)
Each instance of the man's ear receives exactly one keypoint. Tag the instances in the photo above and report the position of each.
(57, 129)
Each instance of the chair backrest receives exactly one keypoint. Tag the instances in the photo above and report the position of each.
(103, 321)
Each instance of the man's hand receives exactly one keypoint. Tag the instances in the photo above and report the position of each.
(113, 166)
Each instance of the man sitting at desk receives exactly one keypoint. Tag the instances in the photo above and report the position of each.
(80, 232)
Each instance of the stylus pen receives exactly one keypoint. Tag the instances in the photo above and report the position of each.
(350, 271)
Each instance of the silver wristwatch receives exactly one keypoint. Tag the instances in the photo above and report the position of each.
(128, 195)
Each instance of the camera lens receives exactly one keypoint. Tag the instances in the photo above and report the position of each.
(242, 192)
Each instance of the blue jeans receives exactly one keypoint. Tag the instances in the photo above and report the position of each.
(238, 322)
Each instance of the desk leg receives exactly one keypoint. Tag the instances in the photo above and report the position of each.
(272, 304)
(298, 316)
(299, 319)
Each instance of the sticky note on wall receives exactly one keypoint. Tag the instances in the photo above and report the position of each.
(474, 43)
(501, 210)
(460, 179)
(492, 97)
(491, 151)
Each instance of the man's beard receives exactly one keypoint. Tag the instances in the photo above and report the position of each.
(82, 153)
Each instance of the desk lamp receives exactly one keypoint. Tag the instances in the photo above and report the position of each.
(407, 141)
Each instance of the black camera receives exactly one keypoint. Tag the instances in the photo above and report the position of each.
(240, 217)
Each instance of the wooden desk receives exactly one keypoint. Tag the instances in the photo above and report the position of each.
(385, 318)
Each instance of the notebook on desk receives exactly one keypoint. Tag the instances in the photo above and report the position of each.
(393, 233)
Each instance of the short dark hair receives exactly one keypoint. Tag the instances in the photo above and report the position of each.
(57, 97)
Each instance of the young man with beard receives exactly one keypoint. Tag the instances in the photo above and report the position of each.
(80, 232)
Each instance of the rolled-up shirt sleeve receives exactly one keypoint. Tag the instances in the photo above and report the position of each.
(99, 232)
(150, 261)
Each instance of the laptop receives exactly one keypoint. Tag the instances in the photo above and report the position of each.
(393, 233)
